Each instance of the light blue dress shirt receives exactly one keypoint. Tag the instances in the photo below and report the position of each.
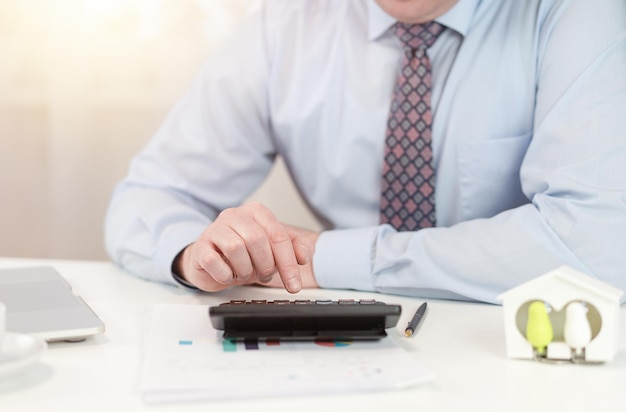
(529, 141)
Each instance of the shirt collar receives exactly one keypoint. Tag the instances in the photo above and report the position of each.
(458, 18)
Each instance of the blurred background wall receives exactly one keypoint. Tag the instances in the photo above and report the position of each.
(83, 86)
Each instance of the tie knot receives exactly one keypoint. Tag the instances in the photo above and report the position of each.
(418, 36)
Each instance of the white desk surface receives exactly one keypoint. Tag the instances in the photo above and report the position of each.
(462, 344)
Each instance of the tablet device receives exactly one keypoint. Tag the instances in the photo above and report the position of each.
(40, 302)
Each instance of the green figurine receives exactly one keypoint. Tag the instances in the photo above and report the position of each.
(539, 328)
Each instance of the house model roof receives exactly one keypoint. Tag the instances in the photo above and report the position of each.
(564, 275)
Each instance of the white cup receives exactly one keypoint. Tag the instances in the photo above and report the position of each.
(3, 322)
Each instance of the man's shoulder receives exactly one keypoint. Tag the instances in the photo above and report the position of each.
(307, 7)
(312, 15)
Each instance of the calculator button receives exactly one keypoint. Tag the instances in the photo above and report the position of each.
(302, 302)
(237, 302)
(259, 301)
(346, 301)
(281, 302)
(367, 301)
(324, 302)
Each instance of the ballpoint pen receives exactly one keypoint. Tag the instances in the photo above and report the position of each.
(415, 321)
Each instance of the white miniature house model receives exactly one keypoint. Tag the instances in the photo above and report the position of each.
(581, 323)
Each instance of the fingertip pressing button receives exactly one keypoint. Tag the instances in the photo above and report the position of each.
(294, 285)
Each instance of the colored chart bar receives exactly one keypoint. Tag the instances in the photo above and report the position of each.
(229, 345)
(333, 343)
(251, 344)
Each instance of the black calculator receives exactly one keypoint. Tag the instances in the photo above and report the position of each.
(357, 319)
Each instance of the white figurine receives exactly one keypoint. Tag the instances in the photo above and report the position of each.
(577, 331)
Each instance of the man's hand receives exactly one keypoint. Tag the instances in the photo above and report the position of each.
(305, 240)
(247, 245)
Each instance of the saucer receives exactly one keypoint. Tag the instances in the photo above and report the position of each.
(18, 351)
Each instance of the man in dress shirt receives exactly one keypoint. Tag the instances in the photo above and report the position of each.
(528, 136)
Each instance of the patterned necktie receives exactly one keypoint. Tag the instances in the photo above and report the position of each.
(408, 187)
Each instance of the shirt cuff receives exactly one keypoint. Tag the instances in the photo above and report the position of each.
(183, 283)
(171, 244)
(343, 259)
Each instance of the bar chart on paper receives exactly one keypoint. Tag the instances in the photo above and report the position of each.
(230, 345)
(186, 359)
